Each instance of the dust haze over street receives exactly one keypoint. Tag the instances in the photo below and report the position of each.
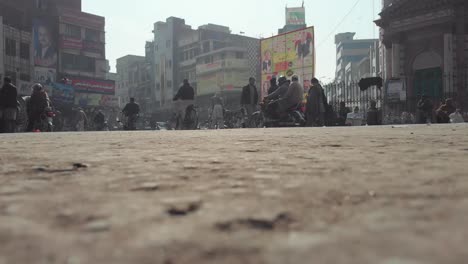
(333, 195)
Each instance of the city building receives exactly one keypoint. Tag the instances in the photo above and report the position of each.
(350, 53)
(134, 81)
(16, 60)
(55, 43)
(212, 58)
(424, 45)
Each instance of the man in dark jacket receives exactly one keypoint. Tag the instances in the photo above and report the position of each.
(249, 98)
(185, 93)
(38, 103)
(8, 105)
(273, 86)
(131, 111)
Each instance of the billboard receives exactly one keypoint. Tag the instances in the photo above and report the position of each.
(87, 100)
(93, 86)
(295, 16)
(288, 54)
(62, 93)
(45, 46)
(73, 17)
(44, 75)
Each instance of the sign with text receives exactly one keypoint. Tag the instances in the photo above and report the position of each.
(288, 54)
(93, 86)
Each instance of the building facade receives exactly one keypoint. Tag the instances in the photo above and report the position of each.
(210, 57)
(134, 81)
(48, 40)
(16, 60)
(424, 44)
(350, 53)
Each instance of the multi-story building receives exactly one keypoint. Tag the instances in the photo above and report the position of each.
(424, 45)
(210, 57)
(16, 60)
(49, 40)
(134, 81)
(350, 50)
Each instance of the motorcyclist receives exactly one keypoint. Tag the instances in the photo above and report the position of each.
(272, 99)
(280, 91)
(131, 111)
(38, 103)
(273, 85)
(183, 99)
(292, 98)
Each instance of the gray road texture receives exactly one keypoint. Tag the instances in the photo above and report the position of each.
(383, 195)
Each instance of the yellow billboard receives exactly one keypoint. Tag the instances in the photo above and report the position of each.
(288, 54)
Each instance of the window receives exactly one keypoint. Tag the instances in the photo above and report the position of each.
(169, 84)
(239, 55)
(78, 63)
(206, 47)
(10, 47)
(218, 45)
(169, 64)
(41, 4)
(223, 56)
(168, 43)
(208, 59)
(92, 35)
(25, 77)
(24, 51)
(73, 31)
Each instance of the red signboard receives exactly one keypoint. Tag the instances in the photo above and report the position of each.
(93, 46)
(82, 19)
(71, 43)
(93, 86)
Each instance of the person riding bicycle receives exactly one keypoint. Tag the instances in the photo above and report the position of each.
(131, 111)
(38, 103)
(183, 99)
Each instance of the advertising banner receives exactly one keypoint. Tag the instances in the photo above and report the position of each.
(86, 99)
(288, 54)
(70, 43)
(44, 76)
(295, 16)
(209, 83)
(63, 93)
(93, 86)
(45, 48)
(69, 16)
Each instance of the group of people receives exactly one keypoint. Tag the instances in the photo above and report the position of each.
(446, 113)
(9, 106)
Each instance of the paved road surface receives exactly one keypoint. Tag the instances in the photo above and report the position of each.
(386, 195)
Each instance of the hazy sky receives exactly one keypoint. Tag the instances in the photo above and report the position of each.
(129, 23)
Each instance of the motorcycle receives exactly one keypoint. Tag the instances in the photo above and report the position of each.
(46, 121)
(294, 117)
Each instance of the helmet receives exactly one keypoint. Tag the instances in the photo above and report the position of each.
(282, 79)
(37, 87)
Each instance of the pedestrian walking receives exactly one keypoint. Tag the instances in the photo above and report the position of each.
(425, 109)
(249, 97)
(217, 112)
(315, 107)
(8, 105)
